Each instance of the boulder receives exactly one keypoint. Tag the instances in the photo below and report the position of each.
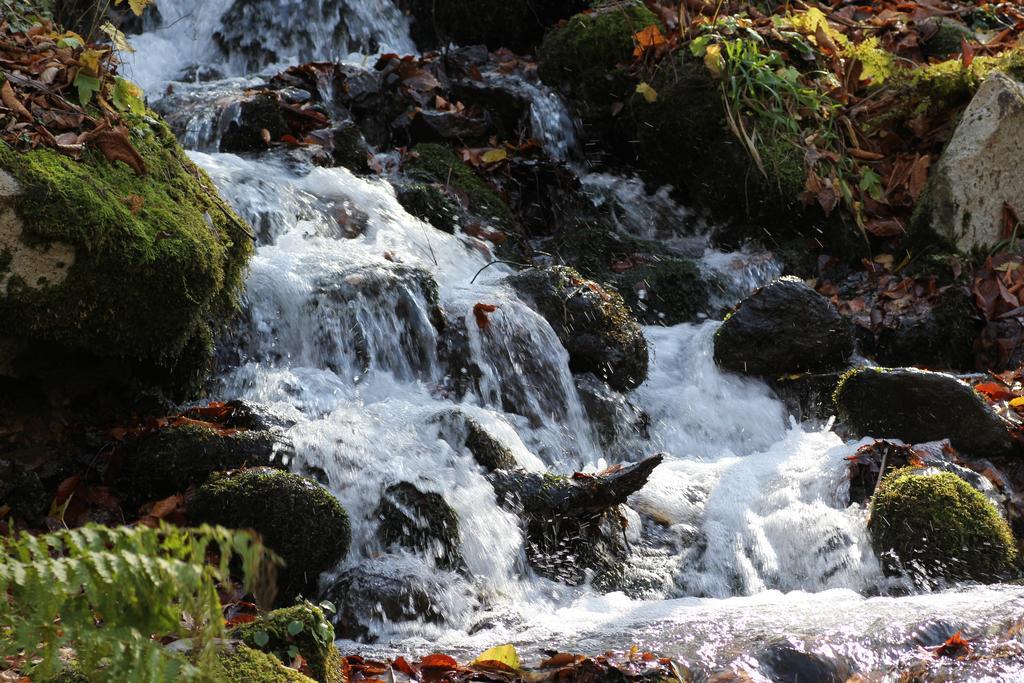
(169, 460)
(937, 524)
(258, 120)
(422, 522)
(593, 324)
(430, 203)
(581, 54)
(785, 327)
(301, 629)
(298, 519)
(435, 163)
(570, 523)
(616, 420)
(916, 406)
(150, 262)
(978, 174)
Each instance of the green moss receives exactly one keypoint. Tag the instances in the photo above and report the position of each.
(784, 164)
(428, 202)
(949, 84)
(583, 53)
(939, 523)
(439, 164)
(243, 663)
(297, 518)
(144, 286)
(298, 630)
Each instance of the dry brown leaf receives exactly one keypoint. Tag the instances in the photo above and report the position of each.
(11, 101)
(115, 145)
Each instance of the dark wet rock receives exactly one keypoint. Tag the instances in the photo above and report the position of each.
(940, 337)
(168, 461)
(431, 125)
(296, 517)
(783, 662)
(348, 147)
(571, 523)
(785, 327)
(614, 417)
(808, 396)
(422, 522)
(314, 641)
(259, 121)
(389, 590)
(250, 415)
(944, 36)
(935, 524)
(461, 430)
(916, 406)
(593, 324)
(431, 203)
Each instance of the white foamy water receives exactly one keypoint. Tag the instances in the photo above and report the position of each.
(359, 327)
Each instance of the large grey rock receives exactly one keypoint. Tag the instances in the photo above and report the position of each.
(980, 170)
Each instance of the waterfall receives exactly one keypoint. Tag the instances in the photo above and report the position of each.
(358, 325)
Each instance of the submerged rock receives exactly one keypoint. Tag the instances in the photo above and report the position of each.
(389, 590)
(461, 430)
(149, 263)
(423, 522)
(978, 174)
(169, 460)
(785, 327)
(593, 324)
(301, 629)
(298, 519)
(617, 421)
(917, 406)
(938, 524)
(570, 523)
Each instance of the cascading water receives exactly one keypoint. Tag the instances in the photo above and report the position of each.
(351, 309)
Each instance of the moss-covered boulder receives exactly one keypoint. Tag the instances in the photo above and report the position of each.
(683, 138)
(937, 523)
(581, 55)
(420, 521)
(99, 259)
(438, 164)
(430, 203)
(785, 327)
(462, 431)
(916, 406)
(593, 324)
(168, 460)
(243, 663)
(298, 519)
(659, 287)
(300, 630)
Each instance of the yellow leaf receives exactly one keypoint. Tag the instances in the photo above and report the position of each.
(139, 5)
(506, 654)
(90, 61)
(1017, 402)
(493, 156)
(714, 61)
(117, 39)
(649, 93)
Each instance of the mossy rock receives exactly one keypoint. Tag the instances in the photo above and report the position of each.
(947, 38)
(420, 521)
(683, 138)
(438, 164)
(581, 55)
(916, 406)
(593, 324)
(429, 203)
(243, 663)
(115, 264)
(169, 460)
(940, 524)
(302, 629)
(462, 431)
(298, 519)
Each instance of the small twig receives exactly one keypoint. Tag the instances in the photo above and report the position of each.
(508, 263)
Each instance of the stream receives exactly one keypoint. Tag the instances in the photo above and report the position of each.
(751, 558)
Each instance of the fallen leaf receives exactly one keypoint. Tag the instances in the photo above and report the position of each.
(439, 661)
(115, 145)
(480, 312)
(11, 101)
(504, 654)
(647, 92)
